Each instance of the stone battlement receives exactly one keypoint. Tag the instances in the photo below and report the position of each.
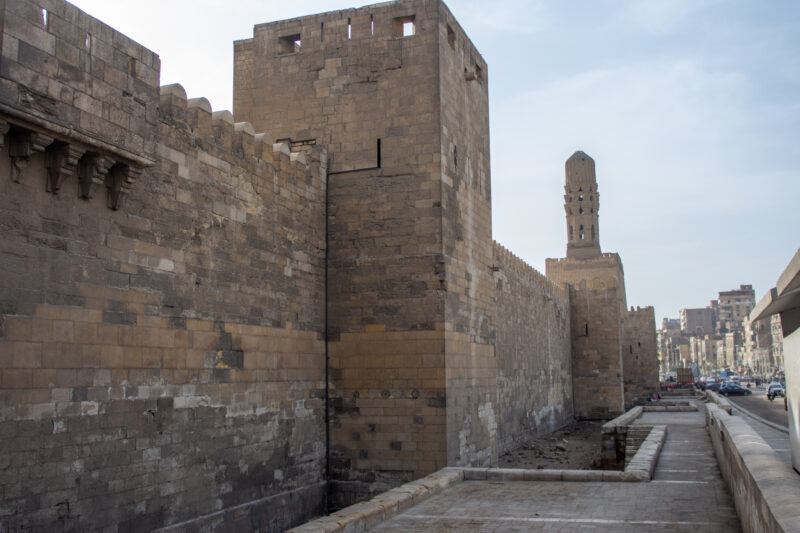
(217, 129)
(609, 258)
(508, 259)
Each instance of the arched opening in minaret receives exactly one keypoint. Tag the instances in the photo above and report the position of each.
(580, 211)
(581, 233)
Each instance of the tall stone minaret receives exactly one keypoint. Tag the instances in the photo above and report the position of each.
(582, 203)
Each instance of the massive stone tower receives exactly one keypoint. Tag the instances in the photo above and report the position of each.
(398, 94)
(582, 204)
(613, 348)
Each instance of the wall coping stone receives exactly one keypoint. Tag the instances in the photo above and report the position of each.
(623, 420)
(721, 401)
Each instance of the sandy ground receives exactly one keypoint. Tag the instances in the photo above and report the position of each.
(576, 446)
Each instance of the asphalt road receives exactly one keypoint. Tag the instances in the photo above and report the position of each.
(758, 404)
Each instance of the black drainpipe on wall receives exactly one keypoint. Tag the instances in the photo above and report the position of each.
(327, 357)
(328, 174)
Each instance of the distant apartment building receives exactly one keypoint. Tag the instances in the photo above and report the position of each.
(733, 306)
(763, 345)
(697, 321)
(715, 337)
(777, 340)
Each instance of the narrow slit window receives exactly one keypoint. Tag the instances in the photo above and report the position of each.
(289, 44)
(322, 32)
(371, 25)
(44, 17)
(349, 29)
(88, 42)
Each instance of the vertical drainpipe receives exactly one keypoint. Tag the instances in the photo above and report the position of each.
(327, 357)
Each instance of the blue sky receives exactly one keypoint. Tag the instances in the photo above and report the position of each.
(690, 108)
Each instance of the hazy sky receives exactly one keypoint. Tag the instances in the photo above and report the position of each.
(690, 108)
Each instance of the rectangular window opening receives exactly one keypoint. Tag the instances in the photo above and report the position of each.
(371, 25)
(349, 29)
(44, 17)
(322, 32)
(404, 26)
(88, 42)
(289, 44)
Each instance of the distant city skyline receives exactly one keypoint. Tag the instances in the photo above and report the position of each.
(690, 108)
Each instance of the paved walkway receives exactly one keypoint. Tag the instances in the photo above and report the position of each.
(686, 494)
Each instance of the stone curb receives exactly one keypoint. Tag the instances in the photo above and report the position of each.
(669, 408)
(646, 456)
(361, 516)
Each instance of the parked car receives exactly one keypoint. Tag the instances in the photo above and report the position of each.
(732, 389)
(775, 389)
(713, 386)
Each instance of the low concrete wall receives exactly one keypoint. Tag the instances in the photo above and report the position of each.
(765, 489)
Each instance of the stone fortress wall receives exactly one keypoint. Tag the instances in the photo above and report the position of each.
(638, 346)
(534, 362)
(176, 287)
(161, 340)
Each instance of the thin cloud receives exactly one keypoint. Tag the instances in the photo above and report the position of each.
(520, 17)
(660, 17)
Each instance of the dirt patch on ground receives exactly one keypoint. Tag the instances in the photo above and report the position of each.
(574, 447)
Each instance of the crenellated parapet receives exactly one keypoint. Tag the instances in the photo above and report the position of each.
(245, 164)
(217, 132)
(505, 258)
(604, 259)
